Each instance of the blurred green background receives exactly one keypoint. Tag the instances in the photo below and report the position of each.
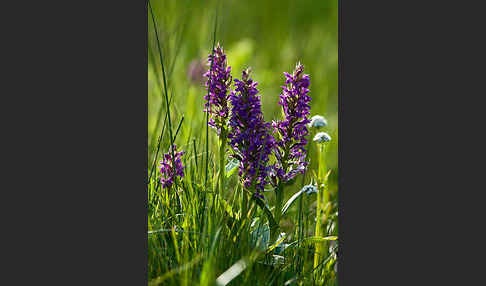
(268, 36)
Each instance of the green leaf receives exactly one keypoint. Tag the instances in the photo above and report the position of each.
(290, 201)
(232, 272)
(277, 243)
(173, 272)
(314, 239)
(268, 213)
(231, 167)
(260, 235)
(227, 207)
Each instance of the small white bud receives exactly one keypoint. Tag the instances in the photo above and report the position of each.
(318, 121)
(309, 189)
(322, 137)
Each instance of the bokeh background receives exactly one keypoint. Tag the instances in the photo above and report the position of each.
(268, 36)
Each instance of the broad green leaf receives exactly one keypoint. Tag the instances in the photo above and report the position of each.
(260, 235)
(231, 167)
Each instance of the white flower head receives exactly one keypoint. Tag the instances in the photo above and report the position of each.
(309, 189)
(322, 137)
(318, 121)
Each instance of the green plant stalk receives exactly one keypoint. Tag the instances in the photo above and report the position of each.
(222, 151)
(207, 113)
(279, 201)
(278, 212)
(320, 203)
(204, 218)
(300, 261)
(279, 193)
(244, 207)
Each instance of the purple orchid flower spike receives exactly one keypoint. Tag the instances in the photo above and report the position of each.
(249, 134)
(218, 85)
(167, 171)
(291, 132)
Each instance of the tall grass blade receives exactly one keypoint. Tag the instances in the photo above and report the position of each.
(158, 144)
(209, 88)
(165, 88)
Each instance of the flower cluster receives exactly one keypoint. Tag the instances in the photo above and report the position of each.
(310, 189)
(291, 132)
(249, 134)
(167, 171)
(322, 137)
(218, 85)
(317, 122)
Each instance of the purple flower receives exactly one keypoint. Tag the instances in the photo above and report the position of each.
(167, 171)
(249, 134)
(218, 84)
(291, 132)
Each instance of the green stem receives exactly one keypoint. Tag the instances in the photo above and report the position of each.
(278, 205)
(222, 169)
(318, 231)
(278, 211)
(279, 193)
(244, 207)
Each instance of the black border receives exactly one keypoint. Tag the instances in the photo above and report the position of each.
(82, 91)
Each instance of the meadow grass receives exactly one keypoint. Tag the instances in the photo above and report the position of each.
(205, 233)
